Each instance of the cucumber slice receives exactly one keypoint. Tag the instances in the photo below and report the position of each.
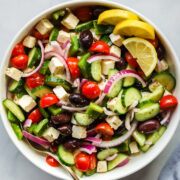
(106, 39)
(148, 110)
(139, 137)
(44, 69)
(74, 46)
(96, 70)
(40, 91)
(124, 147)
(94, 110)
(130, 95)
(11, 117)
(129, 81)
(57, 14)
(112, 164)
(84, 26)
(31, 129)
(83, 119)
(16, 86)
(55, 110)
(15, 109)
(29, 92)
(54, 34)
(33, 56)
(43, 111)
(90, 172)
(40, 128)
(77, 171)
(106, 153)
(166, 79)
(65, 156)
(17, 131)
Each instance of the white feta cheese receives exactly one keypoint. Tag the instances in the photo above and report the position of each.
(96, 37)
(70, 21)
(44, 26)
(61, 93)
(14, 73)
(101, 166)
(29, 41)
(116, 51)
(48, 48)
(116, 39)
(102, 84)
(55, 66)
(27, 103)
(162, 66)
(106, 65)
(63, 37)
(114, 121)
(51, 134)
(111, 103)
(134, 147)
(73, 121)
(79, 132)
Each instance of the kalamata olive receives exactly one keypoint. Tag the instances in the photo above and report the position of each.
(72, 144)
(120, 130)
(160, 52)
(57, 141)
(98, 10)
(51, 124)
(61, 118)
(121, 64)
(86, 39)
(65, 130)
(149, 126)
(78, 100)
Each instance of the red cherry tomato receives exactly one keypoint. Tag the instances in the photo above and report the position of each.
(18, 49)
(168, 101)
(154, 42)
(100, 47)
(51, 161)
(35, 80)
(40, 36)
(35, 116)
(82, 162)
(73, 66)
(104, 129)
(84, 13)
(20, 61)
(91, 90)
(93, 161)
(131, 61)
(48, 100)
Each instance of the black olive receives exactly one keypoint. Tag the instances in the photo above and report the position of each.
(86, 39)
(160, 52)
(98, 10)
(72, 144)
(120, 65)
(61, 118)
(65, 130)
(78, 100)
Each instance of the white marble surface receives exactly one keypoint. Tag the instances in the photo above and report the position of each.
(15, 13)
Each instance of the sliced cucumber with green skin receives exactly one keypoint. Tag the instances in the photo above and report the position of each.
(139, 137)
(55, 81)
(17, 131)
(65, 156)
(96, 70)
(29, 92)
(21, 93)
(11, 117)
(90, 172)
(74, 46)
(43, 111)
(40, 91)
(94, 110)
(57, 14)
(15, 109)
(124, 147)
(106, 153)
(129, 81)
(33, 57)
(84, 26)
(130, 95)
(106, 39)
(40, 128)
(77, 171)
(54, 34)
(112, 164)
(147, 110)
(16, 86)
(55, 110)
(83, 119)
(166, 79)
(31, 129)
(44, 69)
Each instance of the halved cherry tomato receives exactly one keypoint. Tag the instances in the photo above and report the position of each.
(35, 116)
(154, 42)
(35, 80)
(131, 61)
(100, 47)
(93, 161)
(40, 36)
(91, 90)
(82, 162)
(168, 101)
(48, 100)
(20, 61)
(104, 129)
(51, 161)
(84, 13)
(73, 66)
(18, 49)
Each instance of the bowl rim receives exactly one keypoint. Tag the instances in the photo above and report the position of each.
(87, 2)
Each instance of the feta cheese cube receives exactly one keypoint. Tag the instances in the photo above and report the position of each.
(44, 26)
(48, 48)
(29, 41)
(79, 132)
(134, 147)
(116, 39)
(63, 37)
(102, 84)
(70, 21)
(55, 66)
(114, 121)
(106, 65)
(27, 103)
(14, 73)
(116, 51)
(162, 66)
(51, 134)
(101, 166)
(96, 37)
(73, 121)
(111, 103)
(61, 93)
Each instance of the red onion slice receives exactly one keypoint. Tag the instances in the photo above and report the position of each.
(27, 123)
(77, 84)
(65, 44)
(100, 99)
(108, 113)
(66, 50)
(102, 57)
(93, 139)
(56, 47)
(133, 105)
(83, 82)
(110, 158)
(74, 108)
(123, 163)
(166, 118)
(91, 132)
(88, 149)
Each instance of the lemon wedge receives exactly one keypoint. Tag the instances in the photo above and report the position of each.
(145, 53)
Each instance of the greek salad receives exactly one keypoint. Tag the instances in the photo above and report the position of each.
(92, 85)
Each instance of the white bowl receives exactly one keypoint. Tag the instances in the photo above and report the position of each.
(137, 162)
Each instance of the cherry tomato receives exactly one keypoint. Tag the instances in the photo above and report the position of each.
(107, 138)
(154, 42)
(35, 116)
(51, 161)
(168, 101)
(100, 47)
(35, 80)
(82, 162)
(91, 90)
(104, 129)
(93, 161)
(20, 61)
(48, 100)
(84, 13)
(18, 49)
(131, 61)
(73, 66)
(40, 36)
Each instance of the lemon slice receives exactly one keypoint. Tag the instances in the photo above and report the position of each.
(145, 53)
(114, 16)
(135, 28)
